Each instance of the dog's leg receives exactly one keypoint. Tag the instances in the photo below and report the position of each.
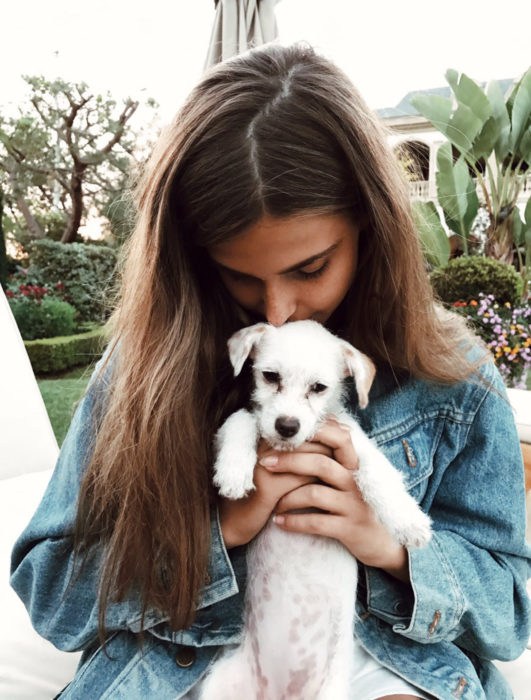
(236, 443)
(337, 684)
(382, 487)
(229, 678)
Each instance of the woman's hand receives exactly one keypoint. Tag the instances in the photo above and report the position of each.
(332, 489)
(241, 520)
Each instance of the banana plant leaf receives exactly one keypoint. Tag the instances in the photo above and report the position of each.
(433, 238)
(525, 235)
(521, 112)
(470, 94)
(488, 137)
(461, 128)
(501, 115)
(456, 192)
(435, 108)
(525, 146)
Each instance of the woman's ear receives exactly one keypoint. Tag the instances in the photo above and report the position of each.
(360, 367)
(241, 345)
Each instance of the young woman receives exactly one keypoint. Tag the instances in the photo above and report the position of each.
(273, 195)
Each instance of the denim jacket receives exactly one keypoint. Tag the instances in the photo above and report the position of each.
(458, 451)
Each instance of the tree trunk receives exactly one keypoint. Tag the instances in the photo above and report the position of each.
(3, 252)
(34, 229)
(76, 195)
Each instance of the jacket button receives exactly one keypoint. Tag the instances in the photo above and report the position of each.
(400, 607)
(185, 657)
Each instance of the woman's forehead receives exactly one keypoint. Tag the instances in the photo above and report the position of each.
(273, 245)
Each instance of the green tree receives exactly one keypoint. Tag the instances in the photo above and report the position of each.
(66, 152)
(491, 137)
(3, 252)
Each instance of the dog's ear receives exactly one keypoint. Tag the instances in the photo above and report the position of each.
(241, 345)
(360, 367)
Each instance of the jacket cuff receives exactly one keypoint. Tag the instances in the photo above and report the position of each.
(428, 609)
(220, 580)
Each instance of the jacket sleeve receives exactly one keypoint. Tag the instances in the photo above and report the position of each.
(469, 584)
(62, 609)
(42, 557)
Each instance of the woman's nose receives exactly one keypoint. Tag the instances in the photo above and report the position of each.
(279, 305)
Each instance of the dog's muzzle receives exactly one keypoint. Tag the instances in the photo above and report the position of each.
(286, 426)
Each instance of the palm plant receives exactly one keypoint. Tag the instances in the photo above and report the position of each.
(489, 143)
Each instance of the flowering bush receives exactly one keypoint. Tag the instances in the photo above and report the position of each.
(506, 331)
(40, 312)
(34, 292)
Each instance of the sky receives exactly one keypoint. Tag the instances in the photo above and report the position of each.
(157, 48)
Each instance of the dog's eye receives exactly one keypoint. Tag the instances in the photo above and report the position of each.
(318, 388)
(271, 377)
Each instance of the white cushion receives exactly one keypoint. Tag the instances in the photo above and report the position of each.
(521, 404)
(27, 442)
(30, 667)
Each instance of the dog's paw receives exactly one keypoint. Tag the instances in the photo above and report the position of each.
(416, 532)
(234, 489)
(234, 477)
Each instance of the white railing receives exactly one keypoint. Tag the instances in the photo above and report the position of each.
(419, 189)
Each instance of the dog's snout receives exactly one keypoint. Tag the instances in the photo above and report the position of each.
(287, 426)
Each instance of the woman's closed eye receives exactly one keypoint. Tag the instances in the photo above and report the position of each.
(313, 271)
(309, 272)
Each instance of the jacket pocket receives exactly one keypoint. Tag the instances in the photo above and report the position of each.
(410, 447)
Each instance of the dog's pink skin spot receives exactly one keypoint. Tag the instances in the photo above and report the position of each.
(293, 635)
(317, 637)
(266, 593)
(298, 680)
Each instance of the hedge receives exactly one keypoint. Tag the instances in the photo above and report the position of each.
(464, 278)
(49, 355)
(86, 271)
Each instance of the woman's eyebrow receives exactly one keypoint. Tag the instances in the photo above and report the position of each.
(311, 259)
(292, 268)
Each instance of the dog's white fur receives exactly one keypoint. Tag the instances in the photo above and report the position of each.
(298, 639)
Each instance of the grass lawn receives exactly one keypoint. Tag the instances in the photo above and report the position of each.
(61, 393)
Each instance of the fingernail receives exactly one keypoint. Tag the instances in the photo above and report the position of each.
(331, 416)
(268, 461)
(279, 519)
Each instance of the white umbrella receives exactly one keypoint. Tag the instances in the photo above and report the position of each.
(240, 25)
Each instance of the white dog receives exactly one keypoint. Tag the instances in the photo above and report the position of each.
(298, 639)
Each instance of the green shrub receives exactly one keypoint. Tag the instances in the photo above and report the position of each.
(465, 277)
(50, 355)
(85, 270)
(45, 319)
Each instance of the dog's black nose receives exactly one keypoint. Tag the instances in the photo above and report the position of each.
(286, 426)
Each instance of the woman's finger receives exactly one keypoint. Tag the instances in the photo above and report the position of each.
(312, 464)
(315, 496)
(264, 449)
(337, 436)
(312, 524)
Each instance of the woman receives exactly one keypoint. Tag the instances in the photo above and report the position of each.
(274, 195)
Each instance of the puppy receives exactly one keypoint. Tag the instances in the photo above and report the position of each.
(298, 640)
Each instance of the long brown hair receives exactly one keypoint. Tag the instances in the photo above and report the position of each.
(280, 131)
